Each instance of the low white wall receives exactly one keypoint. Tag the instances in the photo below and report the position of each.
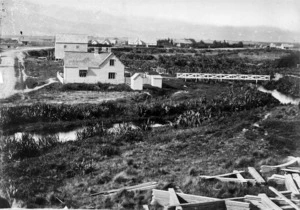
(59, 77)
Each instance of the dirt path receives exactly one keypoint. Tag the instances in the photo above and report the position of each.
(7, 71)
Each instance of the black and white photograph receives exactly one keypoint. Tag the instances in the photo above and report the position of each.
(150, 105)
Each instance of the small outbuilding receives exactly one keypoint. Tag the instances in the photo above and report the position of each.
(136, 82)
(156, 80)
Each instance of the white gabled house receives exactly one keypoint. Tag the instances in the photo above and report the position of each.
(70, 42)
(81, 67)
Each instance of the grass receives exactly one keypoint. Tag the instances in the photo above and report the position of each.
(73, 170)
(42, 69)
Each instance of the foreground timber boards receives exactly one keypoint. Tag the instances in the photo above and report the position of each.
(173, 200)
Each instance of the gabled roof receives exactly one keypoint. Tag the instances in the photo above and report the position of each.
(83, 59)
(71, 38)
(136, 75)
(137, 41)
(94, 41)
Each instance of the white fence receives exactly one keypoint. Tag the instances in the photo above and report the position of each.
(60, 78)
(223, 76)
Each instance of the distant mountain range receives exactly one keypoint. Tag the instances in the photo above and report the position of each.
(34, 19)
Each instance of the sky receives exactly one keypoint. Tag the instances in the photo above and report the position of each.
(284, 14)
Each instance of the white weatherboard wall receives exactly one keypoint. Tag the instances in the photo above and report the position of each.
(99, 74)
(156, 81)
(136, 82)
(60, 49)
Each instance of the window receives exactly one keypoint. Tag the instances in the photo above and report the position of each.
(82, 73)
(111, 62)
(111, 75)
(65, 46)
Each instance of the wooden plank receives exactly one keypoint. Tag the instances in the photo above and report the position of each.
(290, 170)
(210, 205)
(173, 199)
(259, 205)
(225, 179)
(290, 184)
(267, 202)
(237, 203)
(144, 186)
(294, 168)
(256, 175)
(284, 198)
(296, 178)
(221, 175)
(239, 176)
(278, 179)
(287, 207)
(145, 207)
(266, 168)
(162, 198)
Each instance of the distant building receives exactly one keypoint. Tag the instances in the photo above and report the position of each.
(70, 42)
(286, 46)
(82, 67)
(137, 42)
(160, 70)
(182, 42)
(282, 46)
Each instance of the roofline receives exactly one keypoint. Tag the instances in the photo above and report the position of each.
(71, 42)
(110, 54)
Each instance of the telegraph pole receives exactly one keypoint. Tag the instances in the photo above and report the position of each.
(2, 14)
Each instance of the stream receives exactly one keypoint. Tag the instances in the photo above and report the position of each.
(72, 135)
(282, 98)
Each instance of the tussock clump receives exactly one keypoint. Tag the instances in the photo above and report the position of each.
(251, 135)
(260, 153)
(131, 136)
(122, 177)
(244, 162)
(103, 178)
(193, 171)
(4, 203)
(130, 162)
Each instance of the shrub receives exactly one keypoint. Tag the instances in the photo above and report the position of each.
(26, 146)
(193, 172)
(95, 87)
(103, 178)
(280, 142)
(90, 131)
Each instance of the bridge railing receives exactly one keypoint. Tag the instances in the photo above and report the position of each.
(223, 76)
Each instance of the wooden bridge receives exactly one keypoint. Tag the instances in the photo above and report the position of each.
(223, 76)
